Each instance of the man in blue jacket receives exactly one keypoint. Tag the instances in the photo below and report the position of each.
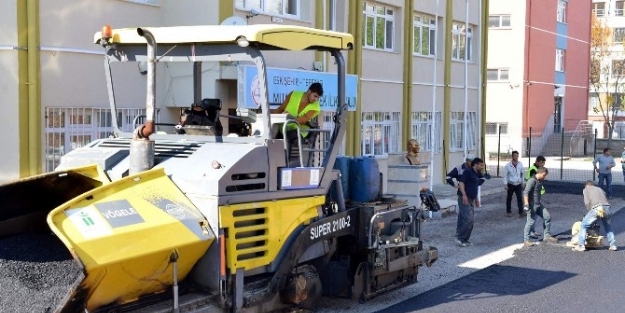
(468, 184)
(457, 171)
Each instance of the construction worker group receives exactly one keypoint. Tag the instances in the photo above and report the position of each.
(528, 188)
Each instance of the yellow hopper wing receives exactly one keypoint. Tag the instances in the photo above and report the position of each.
(124, 233)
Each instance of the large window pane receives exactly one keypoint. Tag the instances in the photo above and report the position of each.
(492, 74)
(389, 34)
(274, 6)
(416, 40)
(426, 41)
(503, 75)
(370, 29)
(432, 41)
(493, 21)
(505, 21)
(291, 7)
(379, 33)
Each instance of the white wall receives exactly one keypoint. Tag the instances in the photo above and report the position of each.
(9, 122)
(506, 49)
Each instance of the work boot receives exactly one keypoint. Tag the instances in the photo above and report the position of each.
(550, 239)
(579, 248)
(613, 248)
(528, 243)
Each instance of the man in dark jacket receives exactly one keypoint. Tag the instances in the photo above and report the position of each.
(532, 204)
(468, 185)
(457, 171)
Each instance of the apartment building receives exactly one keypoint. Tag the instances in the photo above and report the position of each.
(611, 14)
(417, 73)
(538, 67)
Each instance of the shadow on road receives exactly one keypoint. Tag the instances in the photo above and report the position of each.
(494, 281)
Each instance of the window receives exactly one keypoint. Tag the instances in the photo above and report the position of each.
(593, 100)
(71, 128)
(616, 99)
(378, 27)
(598, 8)
(618, 69)
(617, 35)
(461, 42)
(559, 60)
(618, 11)
(561, 11)
(381, 133)
(424, 37)
(497, 74)
(496, 129)
(456, 142)
(427, 130)
(277, 7)
(498, 21)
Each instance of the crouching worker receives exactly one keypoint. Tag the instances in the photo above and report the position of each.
(598, 209)
(531, 198)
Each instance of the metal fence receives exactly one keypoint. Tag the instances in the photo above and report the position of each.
(569, 152)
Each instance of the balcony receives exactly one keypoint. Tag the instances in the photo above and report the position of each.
(618, 12)
(599, 12)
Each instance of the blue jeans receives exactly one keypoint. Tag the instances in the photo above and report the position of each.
(538, 210)
(465, 219)
(590, 218)
(608, 183)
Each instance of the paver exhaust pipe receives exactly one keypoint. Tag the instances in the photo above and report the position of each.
(141, 147)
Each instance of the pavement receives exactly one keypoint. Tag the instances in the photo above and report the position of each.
(496, 238)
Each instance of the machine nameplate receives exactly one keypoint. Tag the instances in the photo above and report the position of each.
(119, 213)
(330, 227)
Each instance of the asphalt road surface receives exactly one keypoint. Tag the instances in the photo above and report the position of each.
(542, 278)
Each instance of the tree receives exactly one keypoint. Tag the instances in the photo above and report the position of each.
(607, 71)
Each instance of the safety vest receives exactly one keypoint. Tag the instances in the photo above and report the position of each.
(293, 106)
(528, 176)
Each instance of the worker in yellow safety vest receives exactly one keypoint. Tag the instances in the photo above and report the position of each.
(303, 107)
(540, 162)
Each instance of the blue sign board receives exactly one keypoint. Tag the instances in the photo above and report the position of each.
(281, 82)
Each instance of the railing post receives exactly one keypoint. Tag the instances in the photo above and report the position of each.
(594, 153)
(562, 155)
(498, 148)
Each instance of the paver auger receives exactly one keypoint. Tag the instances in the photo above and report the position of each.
(197, 222)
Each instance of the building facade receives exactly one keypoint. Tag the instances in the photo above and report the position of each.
(610, 14)
(538, 57)
(417, 73)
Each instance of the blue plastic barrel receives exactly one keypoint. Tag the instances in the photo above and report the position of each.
(364, 178)
(342, 164)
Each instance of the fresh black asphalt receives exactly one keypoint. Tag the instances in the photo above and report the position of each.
(543, 278)
(36, 273)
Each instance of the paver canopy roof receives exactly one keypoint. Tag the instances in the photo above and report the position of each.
(267, 36)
